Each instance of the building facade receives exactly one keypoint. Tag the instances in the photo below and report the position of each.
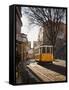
(61, 43)
(21, 46)
(18, 35)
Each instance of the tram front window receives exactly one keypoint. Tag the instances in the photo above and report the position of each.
(48, 50)
(51, 50)
(43, 49)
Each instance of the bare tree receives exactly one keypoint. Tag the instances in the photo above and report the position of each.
(49, 18)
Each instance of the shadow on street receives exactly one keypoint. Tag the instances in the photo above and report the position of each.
(56, 68)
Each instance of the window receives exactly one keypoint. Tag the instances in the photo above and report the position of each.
(51, 49)
(43, 49)
(48, 49)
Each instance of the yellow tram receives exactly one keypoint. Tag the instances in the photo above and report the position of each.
(44, 53)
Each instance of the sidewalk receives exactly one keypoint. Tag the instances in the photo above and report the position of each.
(60, 62)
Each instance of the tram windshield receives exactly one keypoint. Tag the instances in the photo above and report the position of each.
(46, 49)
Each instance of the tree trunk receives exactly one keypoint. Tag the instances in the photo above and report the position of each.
(53, 52)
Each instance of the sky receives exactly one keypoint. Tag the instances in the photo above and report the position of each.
(31, 31)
